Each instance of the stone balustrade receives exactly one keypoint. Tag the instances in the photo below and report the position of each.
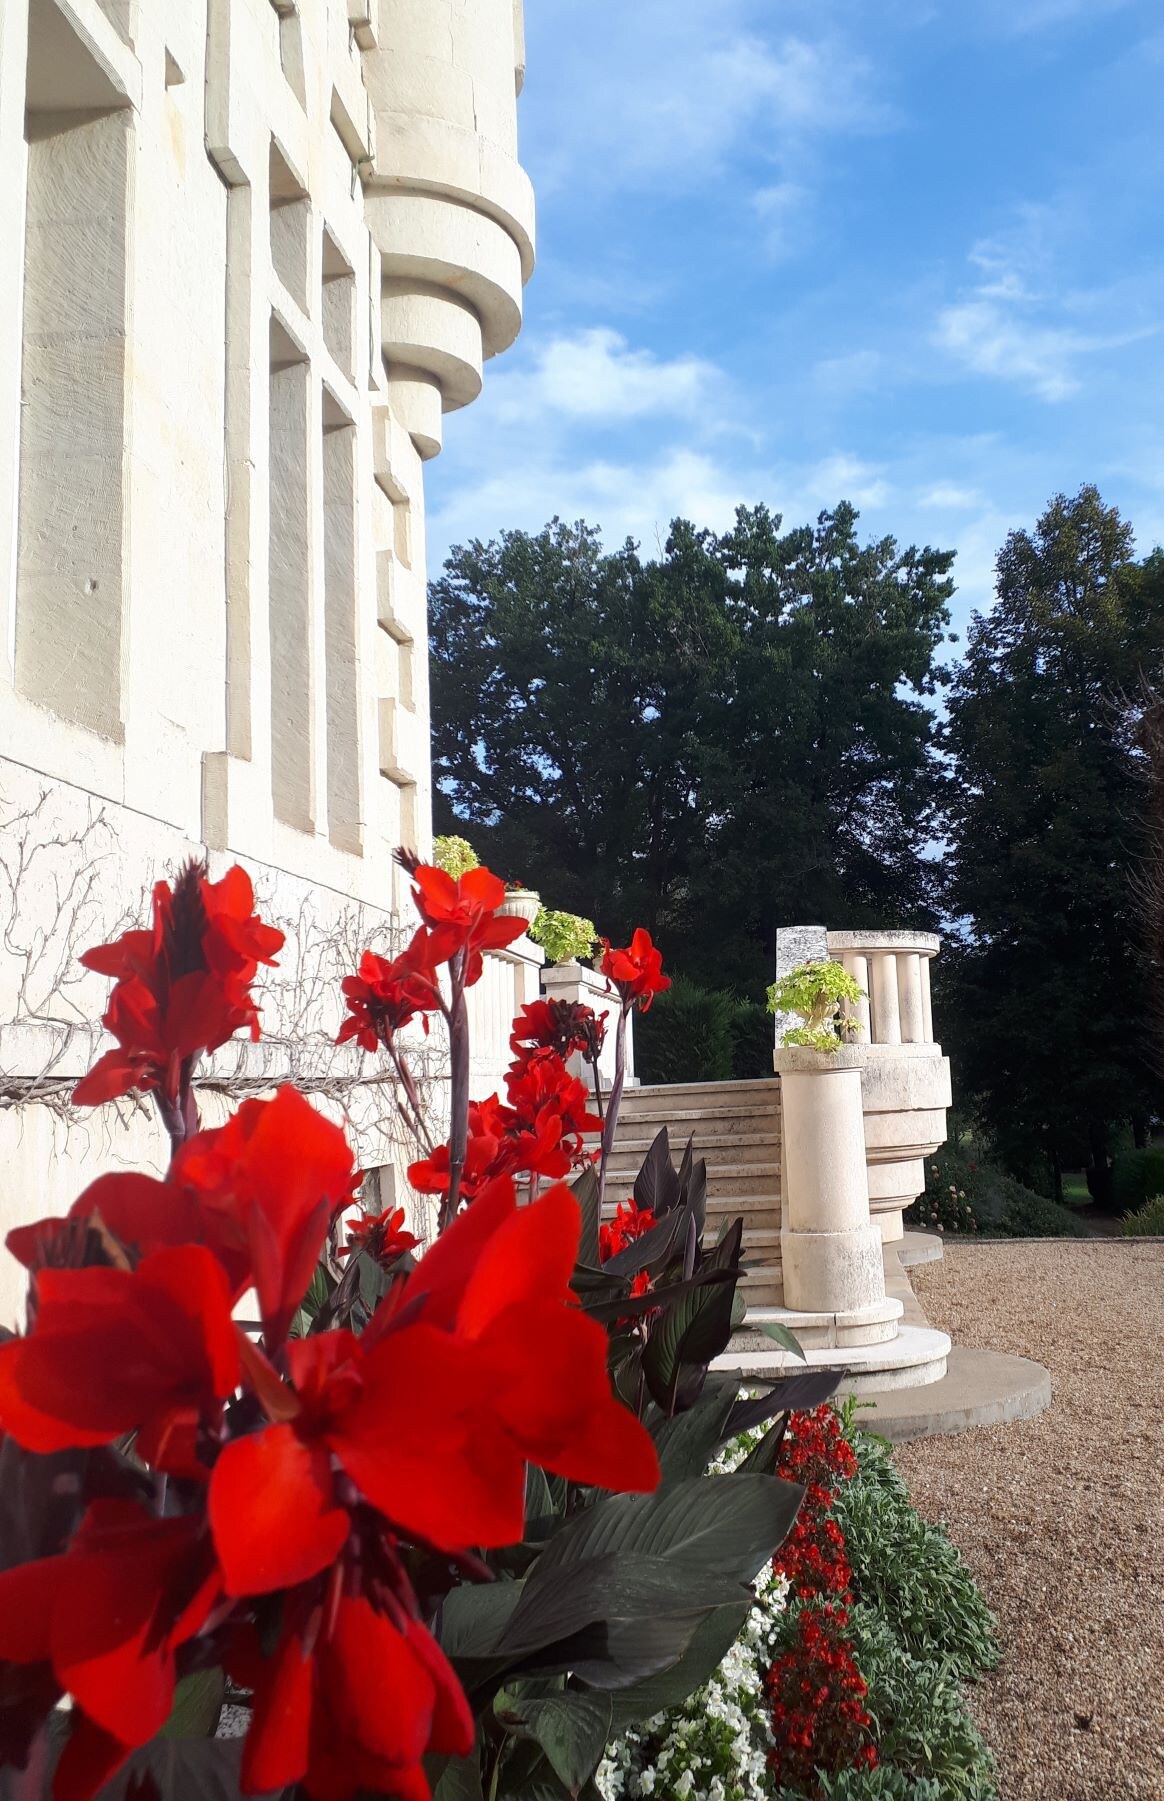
(906, 1080)
(577, 983)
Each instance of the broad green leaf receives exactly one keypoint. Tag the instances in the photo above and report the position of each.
(721, 1525)
(808, 1388)
(783, 1337)
(687, 1443)
(197, 1704)
(572, 1727)
(657, 1185)
(459, 1779)
(473, 1617)
(694, 1331)
(585, 1190)
(713, 1638)
(561, 1599)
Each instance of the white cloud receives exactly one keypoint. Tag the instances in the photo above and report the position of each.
(671, 88)
(781, 210)
(594, 374)
(1017, 325)
(949, 497)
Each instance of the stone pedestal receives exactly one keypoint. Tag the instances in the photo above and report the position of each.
(575, 982)
(834, 1277)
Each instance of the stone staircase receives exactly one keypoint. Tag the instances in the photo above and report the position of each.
(737, 1131)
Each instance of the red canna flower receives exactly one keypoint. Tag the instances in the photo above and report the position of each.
(382, 1236)
(462, 915)
(259, 1192)
(181, 988)
(104, 1621)
(629, 1222)
(352, 1706)
(388, 994)
(485, 1364)
(267, 1184)
(114, 1350)
(560, 1026)
(545, 1082)
(637, 970)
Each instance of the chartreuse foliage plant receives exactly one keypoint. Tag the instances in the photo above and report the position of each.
(454, 855)
(565, 937)
(442, 1516)
(815, 990)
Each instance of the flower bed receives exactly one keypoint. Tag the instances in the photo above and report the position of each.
(847, 1680)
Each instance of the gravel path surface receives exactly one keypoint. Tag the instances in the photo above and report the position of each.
(1062, 1517)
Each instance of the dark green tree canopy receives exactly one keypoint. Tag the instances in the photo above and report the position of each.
(732, 735)
(1045, 820)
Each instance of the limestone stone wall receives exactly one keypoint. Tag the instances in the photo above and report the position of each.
(254, 251)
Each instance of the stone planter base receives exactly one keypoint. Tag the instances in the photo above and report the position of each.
(862, 1326)
(834, 1272)
(916, 1355)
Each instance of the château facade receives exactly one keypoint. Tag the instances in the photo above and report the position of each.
(262, 249)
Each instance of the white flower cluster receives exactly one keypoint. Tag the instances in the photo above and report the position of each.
(716, 1744)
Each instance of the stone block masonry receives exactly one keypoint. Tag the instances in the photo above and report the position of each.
(261, 250)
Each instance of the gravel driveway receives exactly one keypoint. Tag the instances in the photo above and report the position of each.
(1062, 1517)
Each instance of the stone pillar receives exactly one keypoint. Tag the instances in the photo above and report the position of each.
(834, 1277)
(886, 1011)
(911, 1013)
(575, 982)
(858, 968)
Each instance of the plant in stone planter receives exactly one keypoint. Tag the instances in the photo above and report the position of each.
(403, 1508)
(816, 991)
(454, 855)
(520, 903)
(565, 937)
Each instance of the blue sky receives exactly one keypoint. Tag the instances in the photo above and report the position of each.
(905, 254)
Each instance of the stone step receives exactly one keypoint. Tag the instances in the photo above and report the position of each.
(695, 1116)
(701, 1093)
(718, 1168)
(744, 1147)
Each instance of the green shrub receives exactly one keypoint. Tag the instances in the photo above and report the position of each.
(1137, 1177)
(753, 1041)
(907, 1570)
(686, 1036)
(565, 937)
(1147, 1221)
(921, 1722)
(968, 1195)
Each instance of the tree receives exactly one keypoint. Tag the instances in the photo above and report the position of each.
(728, 737)
(1045, 820)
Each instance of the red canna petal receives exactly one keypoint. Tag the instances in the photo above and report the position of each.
(531, 1256)
(272, 1512)
(90, 1759)
(276, 1751)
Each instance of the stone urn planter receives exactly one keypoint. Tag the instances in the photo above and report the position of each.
(521, 903)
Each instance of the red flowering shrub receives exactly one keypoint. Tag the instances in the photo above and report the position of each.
(818, 1720)
(816, 1689)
